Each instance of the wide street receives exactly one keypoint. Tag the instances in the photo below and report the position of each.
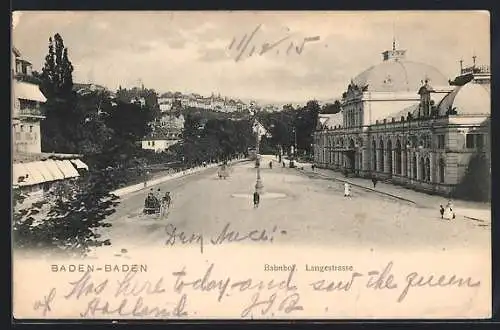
(296, 208)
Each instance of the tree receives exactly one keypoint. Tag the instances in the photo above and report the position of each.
(57, 86)
(57, 73)
(332, 108)
(68, 219)
(476, 183)
(305, 124)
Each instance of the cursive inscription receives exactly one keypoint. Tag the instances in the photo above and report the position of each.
(244, 45)
(281, 293)
(226, 235)
(414, 280)
(133, 307)
(225, 285)
(44, 304)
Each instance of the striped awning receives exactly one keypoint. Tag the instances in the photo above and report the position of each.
(26, 175)
(67, 169)
(27, 91)
(32, 173)
(79, 164)
(47, 175)
(51, 165)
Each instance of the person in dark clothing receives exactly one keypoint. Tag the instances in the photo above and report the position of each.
(284, 165)
(313, 167)
(374, 181)
(256, 199)
(441, 210)
(271, 164)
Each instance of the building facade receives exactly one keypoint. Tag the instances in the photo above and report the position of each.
(405, 123)
(26, 114)
(33, 171)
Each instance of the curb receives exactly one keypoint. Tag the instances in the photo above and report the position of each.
(391, 195)
(140, 186)
(366, 188)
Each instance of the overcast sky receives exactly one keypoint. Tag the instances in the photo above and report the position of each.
(190, 51)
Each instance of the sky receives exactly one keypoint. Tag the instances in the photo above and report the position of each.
(196, 52)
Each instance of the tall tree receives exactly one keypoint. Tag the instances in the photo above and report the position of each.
(305, 124)
(57, 72)
(57, 85)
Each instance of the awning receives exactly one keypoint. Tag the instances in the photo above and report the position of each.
(40, 166)
(29, 172)
(35, 173)
(53, 169)
(79, 164)
(20, 175)
(26, 91)
(67, 169)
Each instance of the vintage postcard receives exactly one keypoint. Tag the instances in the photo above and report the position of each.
(251, 165)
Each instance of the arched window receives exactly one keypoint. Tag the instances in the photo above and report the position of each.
(381, 159)
(422, 169)
(374, 155)
(398, 157)
(389, 156)
(427, 169)
(441, 170)
(414, 167)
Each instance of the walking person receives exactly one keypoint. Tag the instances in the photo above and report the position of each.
(374, 181)
(448, 213)
(256, 199)
(313, 167)
(347, 190)
(271, 164)
(441, 210)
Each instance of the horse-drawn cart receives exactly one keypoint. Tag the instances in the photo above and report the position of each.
(223, 172)
(152, 205)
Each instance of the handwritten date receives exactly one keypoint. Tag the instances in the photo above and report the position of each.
(244, 43)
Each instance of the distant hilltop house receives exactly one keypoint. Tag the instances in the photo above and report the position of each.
(160, 142)
(84, 89)
(33, 170)
(193, 100)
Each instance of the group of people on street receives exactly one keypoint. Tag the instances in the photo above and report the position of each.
(156, 200)
(447, 212)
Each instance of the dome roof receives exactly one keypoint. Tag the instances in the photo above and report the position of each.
(471, 99)
(399, 76)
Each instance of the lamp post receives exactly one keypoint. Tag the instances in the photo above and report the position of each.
(259, 186)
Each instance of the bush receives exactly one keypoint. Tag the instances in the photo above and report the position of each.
(66, 219)
(476, 183)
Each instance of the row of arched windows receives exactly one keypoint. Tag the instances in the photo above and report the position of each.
(420, 168)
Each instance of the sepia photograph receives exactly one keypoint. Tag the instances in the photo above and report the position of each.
(251, 165)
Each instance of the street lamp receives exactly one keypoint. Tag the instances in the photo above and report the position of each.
(259, 186)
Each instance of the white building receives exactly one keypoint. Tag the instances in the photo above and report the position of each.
(159, 143)
(404, 122)
(33, 171)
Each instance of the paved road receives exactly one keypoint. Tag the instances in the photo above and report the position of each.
(313, 211)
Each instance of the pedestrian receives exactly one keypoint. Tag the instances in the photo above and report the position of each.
(256, 199)
(271, 164)
(284, 165)
(312, 167)
(374, 181)
(449, 214)
(441, 210)
(347, 190)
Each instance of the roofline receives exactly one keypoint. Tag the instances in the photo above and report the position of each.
(16, 51)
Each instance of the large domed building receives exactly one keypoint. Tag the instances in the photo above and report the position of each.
(406, 122)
